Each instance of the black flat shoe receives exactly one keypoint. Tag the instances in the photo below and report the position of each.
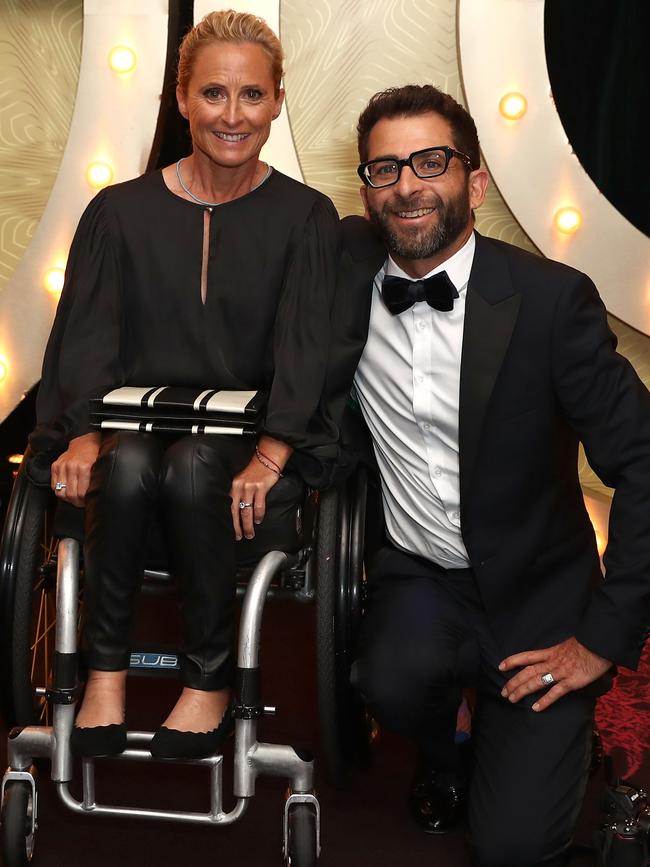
(173, 744)
(437, 800)
(97, 741)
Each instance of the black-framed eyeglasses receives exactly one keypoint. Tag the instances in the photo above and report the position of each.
(427, 163)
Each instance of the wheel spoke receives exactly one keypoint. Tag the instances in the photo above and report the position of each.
(46, 643)
(40, 638)
(41, 607)
(40, 650)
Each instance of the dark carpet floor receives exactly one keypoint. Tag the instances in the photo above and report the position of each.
(365, 825)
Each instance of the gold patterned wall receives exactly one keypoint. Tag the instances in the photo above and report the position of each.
(339, 52)
(40, 48)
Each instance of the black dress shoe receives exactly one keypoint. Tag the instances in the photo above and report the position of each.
(173, 744)
(437, 799)
(96, 741)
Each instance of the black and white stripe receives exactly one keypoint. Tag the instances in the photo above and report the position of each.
(176, 410)
(203, 401)
(170, 427)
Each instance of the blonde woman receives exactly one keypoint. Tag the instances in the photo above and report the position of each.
(217, 271)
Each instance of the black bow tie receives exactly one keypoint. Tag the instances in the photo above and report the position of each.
(399, 293)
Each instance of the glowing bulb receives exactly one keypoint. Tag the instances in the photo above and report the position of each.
(15, 459)
(601, 543)
(4, 368)
(54, 280)
(121, 59)
(99, 175)
(568, 220)
(513, 106)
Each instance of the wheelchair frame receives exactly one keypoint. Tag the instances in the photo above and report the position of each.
(252, 758)
(331, 574)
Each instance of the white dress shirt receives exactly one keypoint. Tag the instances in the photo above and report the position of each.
(407, 385)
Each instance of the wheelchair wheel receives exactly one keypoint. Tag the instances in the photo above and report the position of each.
(301, 843)
(27, 604)
(17, 835)
(344, 728)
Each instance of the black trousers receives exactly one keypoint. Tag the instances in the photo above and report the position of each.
(529, 769)
(186, 483)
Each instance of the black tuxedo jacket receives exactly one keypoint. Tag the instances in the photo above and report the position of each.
(539, 374)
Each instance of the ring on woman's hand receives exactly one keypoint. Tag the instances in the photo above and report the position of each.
(59, 486)
(547, 679)
(243, 505)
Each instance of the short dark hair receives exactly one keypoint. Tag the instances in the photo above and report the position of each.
(416, 99)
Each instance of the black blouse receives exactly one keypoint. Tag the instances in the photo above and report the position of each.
(131, 311)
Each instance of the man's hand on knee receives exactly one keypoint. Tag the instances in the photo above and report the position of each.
(564, 667)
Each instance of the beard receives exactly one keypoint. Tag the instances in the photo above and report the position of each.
(422, 242)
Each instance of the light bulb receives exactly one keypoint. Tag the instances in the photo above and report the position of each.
(568, 220)
(513, 106)
(122, 59)
(99, 175)
(54, 280)
(15, 459)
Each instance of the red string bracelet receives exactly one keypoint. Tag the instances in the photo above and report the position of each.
(263, 460)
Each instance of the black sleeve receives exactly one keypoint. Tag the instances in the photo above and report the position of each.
(302, 335)
(82, 355)
(609, 407)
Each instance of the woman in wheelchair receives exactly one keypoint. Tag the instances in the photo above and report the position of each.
(216, 272)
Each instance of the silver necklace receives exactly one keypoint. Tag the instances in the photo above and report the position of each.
(203, 201)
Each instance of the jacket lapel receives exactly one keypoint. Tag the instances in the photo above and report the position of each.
(491, 312)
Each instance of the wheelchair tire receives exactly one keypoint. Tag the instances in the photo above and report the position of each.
(301, 843)
(27, 604)
(344, 729)
(17, 836)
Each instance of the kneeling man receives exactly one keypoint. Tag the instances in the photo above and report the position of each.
(481, 368)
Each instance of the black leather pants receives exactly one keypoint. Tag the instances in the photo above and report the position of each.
(186, 482)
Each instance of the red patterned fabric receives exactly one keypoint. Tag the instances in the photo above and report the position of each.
(623, 718)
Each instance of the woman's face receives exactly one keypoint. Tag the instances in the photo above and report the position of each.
(230, 102)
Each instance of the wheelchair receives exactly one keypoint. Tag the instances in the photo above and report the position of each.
(41, 603)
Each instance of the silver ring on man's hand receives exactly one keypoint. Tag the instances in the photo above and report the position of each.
(59, 486)
(547, 679)
(243, 505)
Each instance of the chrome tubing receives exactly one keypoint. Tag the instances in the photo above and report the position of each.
(280, 760)
(67, 605)
(67, 596)
(250, 623)
(25, 745)
(177, 816)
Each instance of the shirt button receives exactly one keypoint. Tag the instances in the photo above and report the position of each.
(422, 325)
(426, 426)
(419, 379)
(455, 515)
(437, 472)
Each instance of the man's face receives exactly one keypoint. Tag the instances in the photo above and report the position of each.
(419, 219)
